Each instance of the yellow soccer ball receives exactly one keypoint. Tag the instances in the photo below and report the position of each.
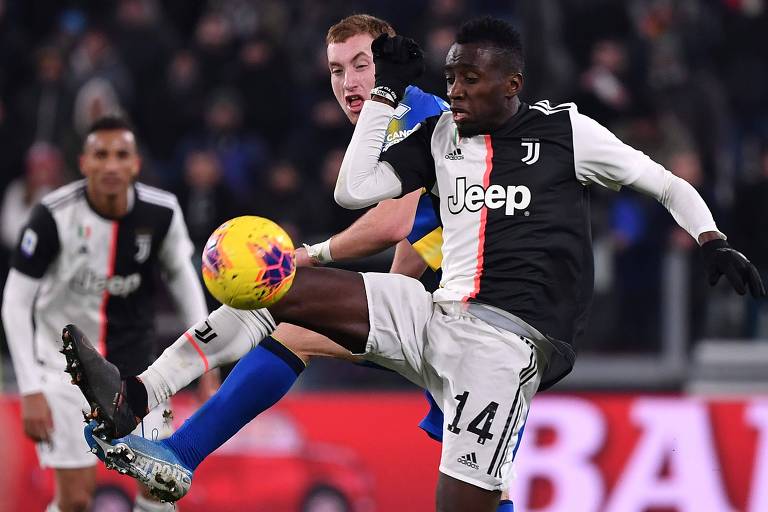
(248, 263)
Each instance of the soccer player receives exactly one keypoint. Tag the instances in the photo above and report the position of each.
(513, 181)
(262, 377)
(90, 252)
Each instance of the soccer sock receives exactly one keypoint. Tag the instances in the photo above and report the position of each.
(224, 337)
(506, 506)
(143, 504)
(257, 382)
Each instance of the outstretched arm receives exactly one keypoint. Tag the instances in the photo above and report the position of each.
(380, 228)
(602, 158)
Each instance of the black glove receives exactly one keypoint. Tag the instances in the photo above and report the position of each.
(720, 258)
(399, 61)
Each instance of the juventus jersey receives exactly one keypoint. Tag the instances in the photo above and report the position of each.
(100, 273)
(426, 235)
(515, 212)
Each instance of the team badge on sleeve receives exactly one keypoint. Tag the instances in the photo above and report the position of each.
(28, 242)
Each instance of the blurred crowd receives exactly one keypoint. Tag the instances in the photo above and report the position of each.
(233, 109)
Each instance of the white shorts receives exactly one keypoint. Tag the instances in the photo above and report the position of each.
(68, 449)
(483, 377)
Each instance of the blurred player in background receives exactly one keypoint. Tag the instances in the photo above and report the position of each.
(90, 253)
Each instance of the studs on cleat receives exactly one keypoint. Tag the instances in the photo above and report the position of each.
(94, 450)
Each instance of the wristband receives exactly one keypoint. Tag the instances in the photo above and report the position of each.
(386, 93)
(320, 252)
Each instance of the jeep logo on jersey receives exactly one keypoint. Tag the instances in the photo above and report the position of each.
(88, 282)
(511, 198)
(532, 146)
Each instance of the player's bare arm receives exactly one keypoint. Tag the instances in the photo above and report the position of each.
(407, 261)
(378, 229)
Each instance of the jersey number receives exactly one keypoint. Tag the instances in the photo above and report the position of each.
(481, 425)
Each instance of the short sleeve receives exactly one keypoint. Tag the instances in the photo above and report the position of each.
(411, 158)
(38, 244)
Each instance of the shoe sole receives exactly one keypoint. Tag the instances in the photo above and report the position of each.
(74, 369)
(122, 458)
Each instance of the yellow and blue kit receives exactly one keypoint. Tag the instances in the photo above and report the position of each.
(426, 237)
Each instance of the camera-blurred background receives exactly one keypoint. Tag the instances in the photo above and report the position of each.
(666, 408)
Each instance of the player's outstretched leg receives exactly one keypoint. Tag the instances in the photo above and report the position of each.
(119, 405)
(256, 382)
(456, 496)
(99, 380)
(149, 462)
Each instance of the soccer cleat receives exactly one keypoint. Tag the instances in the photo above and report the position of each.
(99, 380)
(150, 462)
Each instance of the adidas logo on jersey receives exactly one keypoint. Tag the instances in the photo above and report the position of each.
(469, 460)
(454, 155)
(474, 197)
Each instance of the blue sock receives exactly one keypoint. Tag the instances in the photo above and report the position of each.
(255, 384)
(506, 506)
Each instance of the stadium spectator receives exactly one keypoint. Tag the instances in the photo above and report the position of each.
(45, 104)
(44, 172)
(175, 106)
(243, 156)
(283, 185)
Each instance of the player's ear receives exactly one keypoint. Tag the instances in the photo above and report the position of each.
(514, 84)
(81, 164)
(137, 169)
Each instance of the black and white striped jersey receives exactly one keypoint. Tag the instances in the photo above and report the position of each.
(515, 211)
(100, 273)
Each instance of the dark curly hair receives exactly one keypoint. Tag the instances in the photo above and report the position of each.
(498, 35)
(110, 122)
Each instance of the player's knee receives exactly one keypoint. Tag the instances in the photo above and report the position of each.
(74, 490)
(74, 500)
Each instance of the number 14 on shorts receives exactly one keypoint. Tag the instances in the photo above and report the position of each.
(480, 425)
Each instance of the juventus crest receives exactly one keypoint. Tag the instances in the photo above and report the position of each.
(532, 147)
(143, 247)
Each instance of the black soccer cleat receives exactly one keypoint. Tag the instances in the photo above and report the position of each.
(100, 382)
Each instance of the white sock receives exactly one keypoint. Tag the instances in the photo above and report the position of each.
(224, 337)
(143, 504)
(52, 507)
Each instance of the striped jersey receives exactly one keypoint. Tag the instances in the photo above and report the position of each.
(426, 235)
(100, 273)
(515, 212)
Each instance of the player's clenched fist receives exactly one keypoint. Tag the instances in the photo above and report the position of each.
(399, 61)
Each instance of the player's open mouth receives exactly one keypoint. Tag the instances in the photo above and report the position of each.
(354, 102)
(459, 115)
